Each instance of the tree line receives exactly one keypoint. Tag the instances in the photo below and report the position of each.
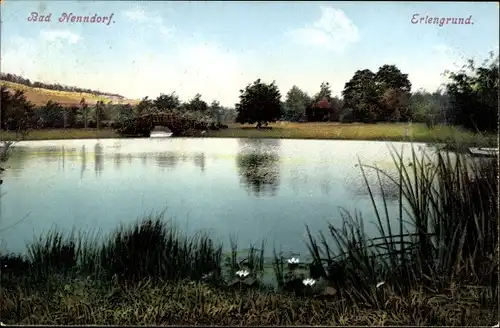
(17, 113)
(469, 99)
(58, 87)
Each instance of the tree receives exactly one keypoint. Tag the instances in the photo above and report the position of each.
(378, 97)
(393, 106)
(394, 89)
(51, 115)
(197, 104)
(215, 110)
(325, 92)
(259, 103)
(145, 106)
(166, 102)
(360, 96)
(390, 77)
(429, 108)
(84, 108)
(473, 95)
(99, 113)
(296, 104)
(16, 112)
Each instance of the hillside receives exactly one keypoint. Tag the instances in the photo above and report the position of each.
(40, 96)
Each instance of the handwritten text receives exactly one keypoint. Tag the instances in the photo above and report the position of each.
(71, 18)
(418, 19)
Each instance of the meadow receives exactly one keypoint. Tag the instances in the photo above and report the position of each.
(289, 130)
(40, 96)
(444, 271)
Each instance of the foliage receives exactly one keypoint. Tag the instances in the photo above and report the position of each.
(196, 105)
(452, 205)
(166, 102)
(77, 301)
(474, 95)
(470, 99)
(17, 113)
(381, 96)
(51, 115)
(146, 106)
(430, 108)
(325, 92)
(259, 103)
(296, 104)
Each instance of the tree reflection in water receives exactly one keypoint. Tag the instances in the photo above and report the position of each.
(258, 165)
(84, 162)
(98, 158)
(199, 161)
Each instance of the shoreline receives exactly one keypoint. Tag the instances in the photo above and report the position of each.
(303, 131)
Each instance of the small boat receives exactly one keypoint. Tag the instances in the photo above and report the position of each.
(483, 152)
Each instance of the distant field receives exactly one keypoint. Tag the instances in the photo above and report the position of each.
(334, 131)
(40, 96)
(357, 131)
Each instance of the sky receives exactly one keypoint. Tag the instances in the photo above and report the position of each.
(217, 48)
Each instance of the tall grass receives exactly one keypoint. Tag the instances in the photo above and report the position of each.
(452, 206)
(151, 248)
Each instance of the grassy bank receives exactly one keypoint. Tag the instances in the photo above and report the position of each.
(61, 134)
(337, 131)
(333, 131)
(442, 272)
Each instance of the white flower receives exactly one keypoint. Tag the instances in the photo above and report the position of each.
(2, 324)
(496, 326)
(308, 282)
(380, 284)
(242, 273)
(293, 260)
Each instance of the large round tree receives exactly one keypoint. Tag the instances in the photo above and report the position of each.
(259, 103)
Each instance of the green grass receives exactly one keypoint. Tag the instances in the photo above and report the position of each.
(382, 132)
(441, 271)
(60, 134)
(86, 302)
(459, 137)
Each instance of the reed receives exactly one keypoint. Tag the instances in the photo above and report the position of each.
(450, 204)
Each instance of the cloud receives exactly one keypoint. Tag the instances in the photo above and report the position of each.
(333, 31)
(60, 35)
(149, 20)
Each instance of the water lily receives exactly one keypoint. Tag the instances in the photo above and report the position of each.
(308, 282)
(380, 284)
(242, 273)
(207, 276)
(293, 260)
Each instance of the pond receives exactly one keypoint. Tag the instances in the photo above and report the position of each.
(252, 189)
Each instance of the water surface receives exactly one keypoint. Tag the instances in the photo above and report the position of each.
(249, 188)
